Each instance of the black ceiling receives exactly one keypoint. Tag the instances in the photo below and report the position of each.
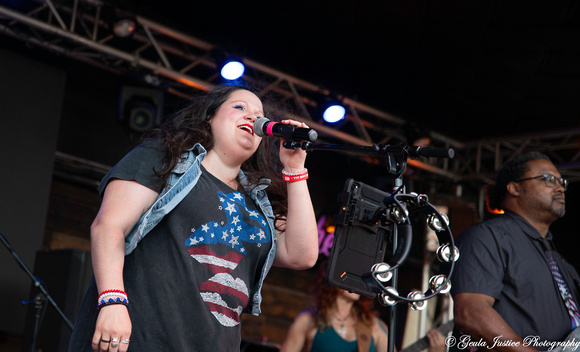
(466, 69)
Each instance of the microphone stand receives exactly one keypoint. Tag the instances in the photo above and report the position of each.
(40, 308)
(378, 149)
(396, 159)
(39, 300)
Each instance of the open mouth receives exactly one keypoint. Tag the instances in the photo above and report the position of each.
(247, 128)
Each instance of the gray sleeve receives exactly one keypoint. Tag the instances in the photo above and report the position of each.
(139, 165)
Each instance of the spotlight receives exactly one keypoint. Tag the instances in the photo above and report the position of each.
(230, 66)
(125, 27)
(140, 108)
(332, 108)
(232, 70)
(334, 113)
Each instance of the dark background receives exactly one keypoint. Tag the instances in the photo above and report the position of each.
(467, 69)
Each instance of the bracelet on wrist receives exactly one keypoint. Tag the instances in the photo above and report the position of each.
(114, 297)
(113, 291)
(304, 171)
(111, 294)
(295, 177)
(112, 302)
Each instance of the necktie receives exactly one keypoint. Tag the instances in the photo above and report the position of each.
(568, 300)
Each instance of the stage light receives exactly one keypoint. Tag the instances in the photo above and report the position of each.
(334, 113)
(232, 70)
(332, 108)
(230, 65)
(140, 108)
(125, 27)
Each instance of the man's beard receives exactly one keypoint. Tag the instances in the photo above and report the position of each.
(558, 211)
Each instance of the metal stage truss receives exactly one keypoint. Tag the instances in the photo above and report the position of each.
(82, 30)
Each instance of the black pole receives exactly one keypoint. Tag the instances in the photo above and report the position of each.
(44, 295)
(392, 310)
(396, 164)
(39, 309)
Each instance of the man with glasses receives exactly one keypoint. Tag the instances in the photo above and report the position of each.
(512, 291)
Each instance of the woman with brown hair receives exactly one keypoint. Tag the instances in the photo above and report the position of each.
(339, 321)
(343, 321)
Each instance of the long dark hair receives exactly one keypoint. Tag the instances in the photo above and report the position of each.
(191, 125)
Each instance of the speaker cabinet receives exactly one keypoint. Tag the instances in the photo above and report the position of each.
(66, 274)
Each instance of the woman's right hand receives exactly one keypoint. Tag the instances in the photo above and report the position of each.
(113, 329)
(123, 204)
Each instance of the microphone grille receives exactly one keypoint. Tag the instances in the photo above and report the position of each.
(259, 125)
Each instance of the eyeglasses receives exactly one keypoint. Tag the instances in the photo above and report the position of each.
(550, 180)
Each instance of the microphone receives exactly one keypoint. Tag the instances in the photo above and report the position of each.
(264, 127)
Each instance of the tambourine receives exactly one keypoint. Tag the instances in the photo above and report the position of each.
(398, 208)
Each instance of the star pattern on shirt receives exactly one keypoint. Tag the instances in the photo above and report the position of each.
(235, 232)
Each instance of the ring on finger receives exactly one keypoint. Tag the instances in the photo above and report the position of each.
(115, 342)
(125, 341)
(106, 341)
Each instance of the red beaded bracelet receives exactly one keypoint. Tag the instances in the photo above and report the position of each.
(112, 293)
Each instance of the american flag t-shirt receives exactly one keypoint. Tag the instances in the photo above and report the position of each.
(220, 246)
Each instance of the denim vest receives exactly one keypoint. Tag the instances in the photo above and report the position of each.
(181, 181)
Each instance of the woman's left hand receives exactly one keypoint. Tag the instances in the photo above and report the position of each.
(298, 241)
(292, 159)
